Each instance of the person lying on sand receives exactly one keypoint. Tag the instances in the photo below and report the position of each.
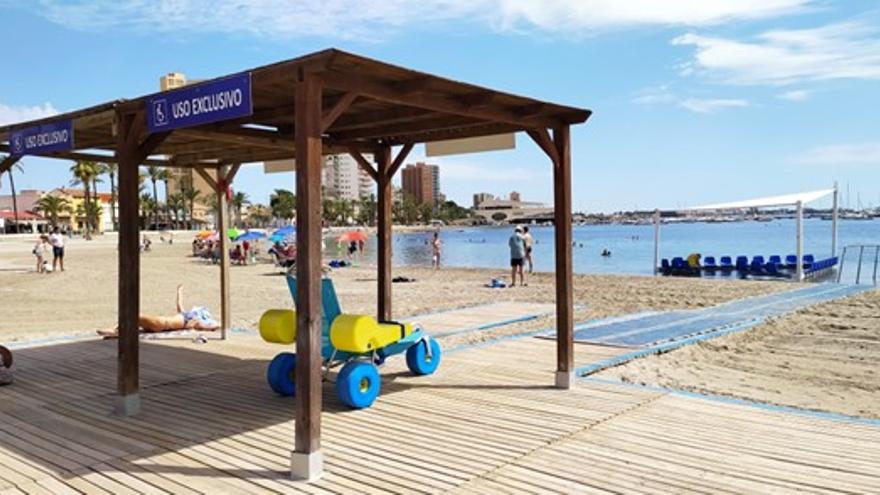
(197, 318)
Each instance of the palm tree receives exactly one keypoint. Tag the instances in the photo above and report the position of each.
(53, 206)
(239, 200)
(283, 203)
(147, 207)
(155, 174)
(191, 195)
(83, 173)
(176, 203)
(111, 169)
(15, 167)
(259, 215)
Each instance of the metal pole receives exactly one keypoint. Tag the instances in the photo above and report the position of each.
(800, 241)
(876, 258)
(859, 269)
(656, 241)
(834, 221)
(840, 268)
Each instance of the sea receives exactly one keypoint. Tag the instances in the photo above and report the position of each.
(632, 246)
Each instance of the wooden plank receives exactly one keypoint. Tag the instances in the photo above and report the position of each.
(562, 229)
(308, 267)
(207, 177)
(383, 223)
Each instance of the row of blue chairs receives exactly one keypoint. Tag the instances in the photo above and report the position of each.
(772, 266)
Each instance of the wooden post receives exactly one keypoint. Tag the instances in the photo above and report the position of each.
(384, 221)
(128, 385)
(562, 228)
(223, 227)
(306, 459)
(130, 153)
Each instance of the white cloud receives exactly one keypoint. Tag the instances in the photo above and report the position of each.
(10, 114)
(849, 50)
(842, 154)
(709, 105)
(663, 94)
(360, 19)
(794, 95)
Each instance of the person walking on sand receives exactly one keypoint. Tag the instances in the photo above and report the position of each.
(39, 252)
(527, 240)
(435, 251)
(57, 242)
(517, 256)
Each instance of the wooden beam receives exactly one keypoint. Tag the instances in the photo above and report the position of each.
(384, 221)
(384, 91)
(241, 136)
(222, 227)
(371, 118)
(338, 109)
(398, 160)
(542, 138)
(364, 164)
(8, 162)
(309, 161)
(207, 178)
(562, 228)
(231, 173)
(93, 157)
(438, 123)
(476, 130)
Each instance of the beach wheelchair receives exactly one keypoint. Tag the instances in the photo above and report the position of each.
(358, 343)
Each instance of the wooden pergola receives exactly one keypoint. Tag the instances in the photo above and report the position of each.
(327, 102)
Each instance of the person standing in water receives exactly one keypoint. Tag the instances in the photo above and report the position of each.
(527, 240)
(435, 251)
(517, 257)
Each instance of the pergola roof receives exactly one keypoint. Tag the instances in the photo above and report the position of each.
(382, 103)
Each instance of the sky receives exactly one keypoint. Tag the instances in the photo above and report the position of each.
(694, 101)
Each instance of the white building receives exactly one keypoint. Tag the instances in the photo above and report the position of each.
(343, 178)
(512, 210)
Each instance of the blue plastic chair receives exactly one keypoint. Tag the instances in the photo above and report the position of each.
(758, 259)
(791, 261)
(709, 264)
(757, 266)
(726, 264)
(776, 260)
(742, 263)
(665, 268)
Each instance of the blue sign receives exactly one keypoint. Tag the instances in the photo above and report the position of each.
(57, 136)
(226, 99)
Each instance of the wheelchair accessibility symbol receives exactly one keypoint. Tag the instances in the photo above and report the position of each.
(160, 113)
(17, 144)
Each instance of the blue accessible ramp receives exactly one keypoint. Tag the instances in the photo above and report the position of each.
(653, 329)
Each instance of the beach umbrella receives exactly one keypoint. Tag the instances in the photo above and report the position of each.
(285, 231)
(232, 233)
(204, 234)
(250, 235)
(353, 236)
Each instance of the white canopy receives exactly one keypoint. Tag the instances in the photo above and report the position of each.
(767, 202)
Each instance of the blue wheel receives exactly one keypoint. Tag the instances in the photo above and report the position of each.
(358, 384)
(417, 359)
(281, 374)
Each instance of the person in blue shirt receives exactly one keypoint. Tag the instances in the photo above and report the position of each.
(517, 256)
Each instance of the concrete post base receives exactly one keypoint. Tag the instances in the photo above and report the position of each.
(306, 467)
(128, 405)
(564, 379)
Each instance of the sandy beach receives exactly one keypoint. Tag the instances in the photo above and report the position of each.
(823, 357)
(83, 298)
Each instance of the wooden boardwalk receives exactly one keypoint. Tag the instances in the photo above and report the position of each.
(487, 422)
